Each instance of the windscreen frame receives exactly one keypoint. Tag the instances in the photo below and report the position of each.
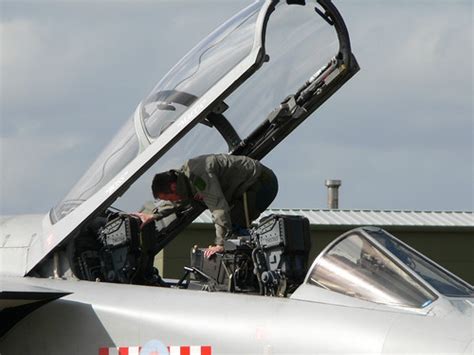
(364, 234)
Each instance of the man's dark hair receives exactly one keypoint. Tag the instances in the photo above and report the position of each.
(162, 181)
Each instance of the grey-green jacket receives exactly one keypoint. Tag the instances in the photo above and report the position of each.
(218, 180)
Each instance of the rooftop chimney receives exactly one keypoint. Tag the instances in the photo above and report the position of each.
(333, 193)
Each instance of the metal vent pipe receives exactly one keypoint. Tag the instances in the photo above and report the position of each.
(333, 193)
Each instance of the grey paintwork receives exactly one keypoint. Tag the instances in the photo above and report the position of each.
(98, 315)
(17, 233)
(125, 315)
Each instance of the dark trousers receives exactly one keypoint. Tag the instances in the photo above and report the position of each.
(259, 196)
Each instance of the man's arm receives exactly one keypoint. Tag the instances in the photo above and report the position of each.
(214, 199)
(163, 210)
(212, 250)
(145, 218)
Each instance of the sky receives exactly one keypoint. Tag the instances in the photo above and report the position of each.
(399, 134)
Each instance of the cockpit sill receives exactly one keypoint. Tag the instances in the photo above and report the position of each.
(310, 293)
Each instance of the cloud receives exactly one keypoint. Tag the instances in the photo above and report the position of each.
(37, 65)
(36, 170)
(73, 72)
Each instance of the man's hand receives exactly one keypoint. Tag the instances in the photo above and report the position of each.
(212, 250)
(144, 217)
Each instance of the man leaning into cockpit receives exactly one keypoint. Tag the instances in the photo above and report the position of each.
(236, 189)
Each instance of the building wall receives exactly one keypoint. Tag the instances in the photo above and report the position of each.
(177, 254)
(452, 248)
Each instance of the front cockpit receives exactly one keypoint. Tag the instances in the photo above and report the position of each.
(369, 264)
(356, 267)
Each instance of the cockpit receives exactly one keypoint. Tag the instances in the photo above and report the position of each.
(372, 265)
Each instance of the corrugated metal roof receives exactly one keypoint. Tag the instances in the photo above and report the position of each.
(372, 217)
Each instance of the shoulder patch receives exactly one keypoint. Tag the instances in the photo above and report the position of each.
(199, 183)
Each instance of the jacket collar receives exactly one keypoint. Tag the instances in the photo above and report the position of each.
(182, 185)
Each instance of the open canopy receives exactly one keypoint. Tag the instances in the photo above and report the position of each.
(192, 77)
(242, 90)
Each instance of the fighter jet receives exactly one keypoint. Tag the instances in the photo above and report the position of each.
(67, 277)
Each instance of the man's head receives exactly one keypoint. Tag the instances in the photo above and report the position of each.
(164, 186)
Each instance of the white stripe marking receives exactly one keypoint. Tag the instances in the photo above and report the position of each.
(175, 350)
(195, 350)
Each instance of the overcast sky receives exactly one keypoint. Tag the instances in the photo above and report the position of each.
(399, 135)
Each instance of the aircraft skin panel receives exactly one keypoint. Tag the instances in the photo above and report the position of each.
(18, 299)
(13, 261)
(447, 310)
(13, 294)
(130, 316)
(307, 292)
(17, 233)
